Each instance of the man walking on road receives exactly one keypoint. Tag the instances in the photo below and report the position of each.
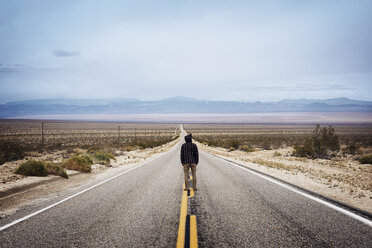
(189, 159)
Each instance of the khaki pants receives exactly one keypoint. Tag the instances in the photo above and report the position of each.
(193, 171)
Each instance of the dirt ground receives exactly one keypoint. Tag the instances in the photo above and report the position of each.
(344, 180)
(17, 191)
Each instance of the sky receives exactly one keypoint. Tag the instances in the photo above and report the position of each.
(211, 50)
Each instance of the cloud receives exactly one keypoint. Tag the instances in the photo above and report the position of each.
(65, 53)
(222, 50)
(4, 68)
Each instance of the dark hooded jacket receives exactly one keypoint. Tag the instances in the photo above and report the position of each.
(189, 152)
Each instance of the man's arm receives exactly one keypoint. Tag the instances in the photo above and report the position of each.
(196, 154)
(182, 155)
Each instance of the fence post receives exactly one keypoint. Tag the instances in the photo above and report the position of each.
(42, 133)
(118, 134)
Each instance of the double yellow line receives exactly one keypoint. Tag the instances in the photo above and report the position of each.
(187, 232)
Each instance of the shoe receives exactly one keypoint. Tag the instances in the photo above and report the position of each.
(195, 189)
(186, 189)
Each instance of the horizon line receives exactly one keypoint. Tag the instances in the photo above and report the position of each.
(184, 97)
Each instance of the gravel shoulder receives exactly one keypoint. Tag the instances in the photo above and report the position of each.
(344, 180)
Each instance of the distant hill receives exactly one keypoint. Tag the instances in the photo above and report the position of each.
(175, 105)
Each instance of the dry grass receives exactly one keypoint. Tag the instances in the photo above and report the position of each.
(79, 163)
(55, 169)
(367, 159)
(40, 169)
(103, 157)
(274, 136)
(19, 138)
(32, 168)
(272, 147)
(273, 164)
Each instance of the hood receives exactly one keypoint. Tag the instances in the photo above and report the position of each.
(188, 138)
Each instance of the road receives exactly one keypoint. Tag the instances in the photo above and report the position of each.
(141, 208)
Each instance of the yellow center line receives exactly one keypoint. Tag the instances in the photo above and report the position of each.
(191, 226)
(191, 192)
(182, 225)
(193, 232)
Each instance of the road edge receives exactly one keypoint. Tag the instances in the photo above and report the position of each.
(136, 166)
(52, 178)
(340, 204)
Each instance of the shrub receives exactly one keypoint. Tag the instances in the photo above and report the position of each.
(234, 144)
(149, 142)
(87, 158)
(277, 154)
(305, 150)
(351, 148)
(129, 148)
(93, 149)
(321, 144)
(103, 157)
(246, 148)
(266, 145)
(32, 168)
(231, 149)
(11, 151)
(2, 160)
(55, 169)
(79, 163)
(367, 159)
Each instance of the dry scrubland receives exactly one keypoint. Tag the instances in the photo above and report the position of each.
(79, 146)
(72, 134)
(269, 148)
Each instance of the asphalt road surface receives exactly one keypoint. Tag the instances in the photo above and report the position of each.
(141, 208)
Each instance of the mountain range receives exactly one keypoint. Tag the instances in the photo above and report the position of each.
(175, 105)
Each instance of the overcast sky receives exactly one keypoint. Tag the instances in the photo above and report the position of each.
(214, 50)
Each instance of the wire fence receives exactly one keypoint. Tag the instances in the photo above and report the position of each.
(81, 133)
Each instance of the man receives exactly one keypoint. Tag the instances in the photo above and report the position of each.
(189, 159)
